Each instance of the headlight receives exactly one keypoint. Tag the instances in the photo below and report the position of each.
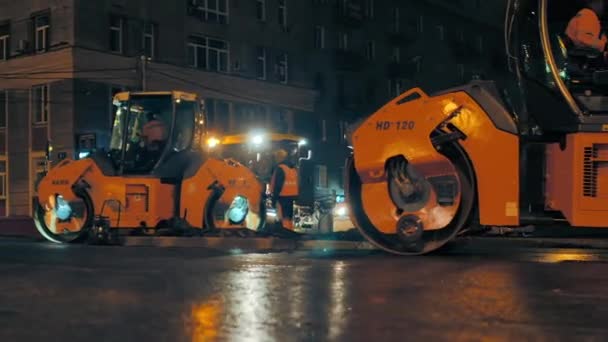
(341, 210)
(213, 142)
(257, 139)
(62, 208)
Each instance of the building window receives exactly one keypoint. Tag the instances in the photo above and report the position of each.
(370, 50)
(343, 41)
(319, 37)
(460, 71)
(261, 10)
(341, 90)
(149, 40)
(420, 24)
(116, 32)
(212, 10)
(197, 52)
(208, 53)
(396, 55)
(440, 32)
(39, 165)
(40, 100)
(395, 87)
(321, 176)
(396, 19)
(343, 128)
(3, 180)
(261, 63)
(283, 13)
(369, 8)
(3, 108)
(41, 28)
(217, 55)
(283, 68)
(323, 130)
(5, 33)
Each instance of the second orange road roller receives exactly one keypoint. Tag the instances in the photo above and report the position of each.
(425, 168)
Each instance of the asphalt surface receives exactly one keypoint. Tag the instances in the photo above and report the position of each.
(470, 292)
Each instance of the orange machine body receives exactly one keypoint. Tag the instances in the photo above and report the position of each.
(577, 179)
(135, 201)
(404, 128)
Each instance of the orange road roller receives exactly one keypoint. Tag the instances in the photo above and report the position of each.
(155, 176)
(531, 150)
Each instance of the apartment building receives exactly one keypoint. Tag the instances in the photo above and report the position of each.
(305, 67)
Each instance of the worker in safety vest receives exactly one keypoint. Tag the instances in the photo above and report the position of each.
(154, 133)
(584, 29)
(284, 188)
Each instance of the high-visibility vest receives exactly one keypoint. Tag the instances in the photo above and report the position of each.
(290, 185)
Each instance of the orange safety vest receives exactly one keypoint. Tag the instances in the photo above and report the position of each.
(290, 185)
(584, 30)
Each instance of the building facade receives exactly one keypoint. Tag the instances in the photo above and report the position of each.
(304, 67)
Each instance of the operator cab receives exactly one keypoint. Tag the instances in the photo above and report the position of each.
(566, 87)
(150, 128)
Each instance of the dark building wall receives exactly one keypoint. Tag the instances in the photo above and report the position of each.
(348, 85)
(18, 152)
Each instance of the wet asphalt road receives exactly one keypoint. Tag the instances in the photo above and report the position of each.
(85, 293)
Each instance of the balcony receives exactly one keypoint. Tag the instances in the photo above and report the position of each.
(349, 14)
(347, 60)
